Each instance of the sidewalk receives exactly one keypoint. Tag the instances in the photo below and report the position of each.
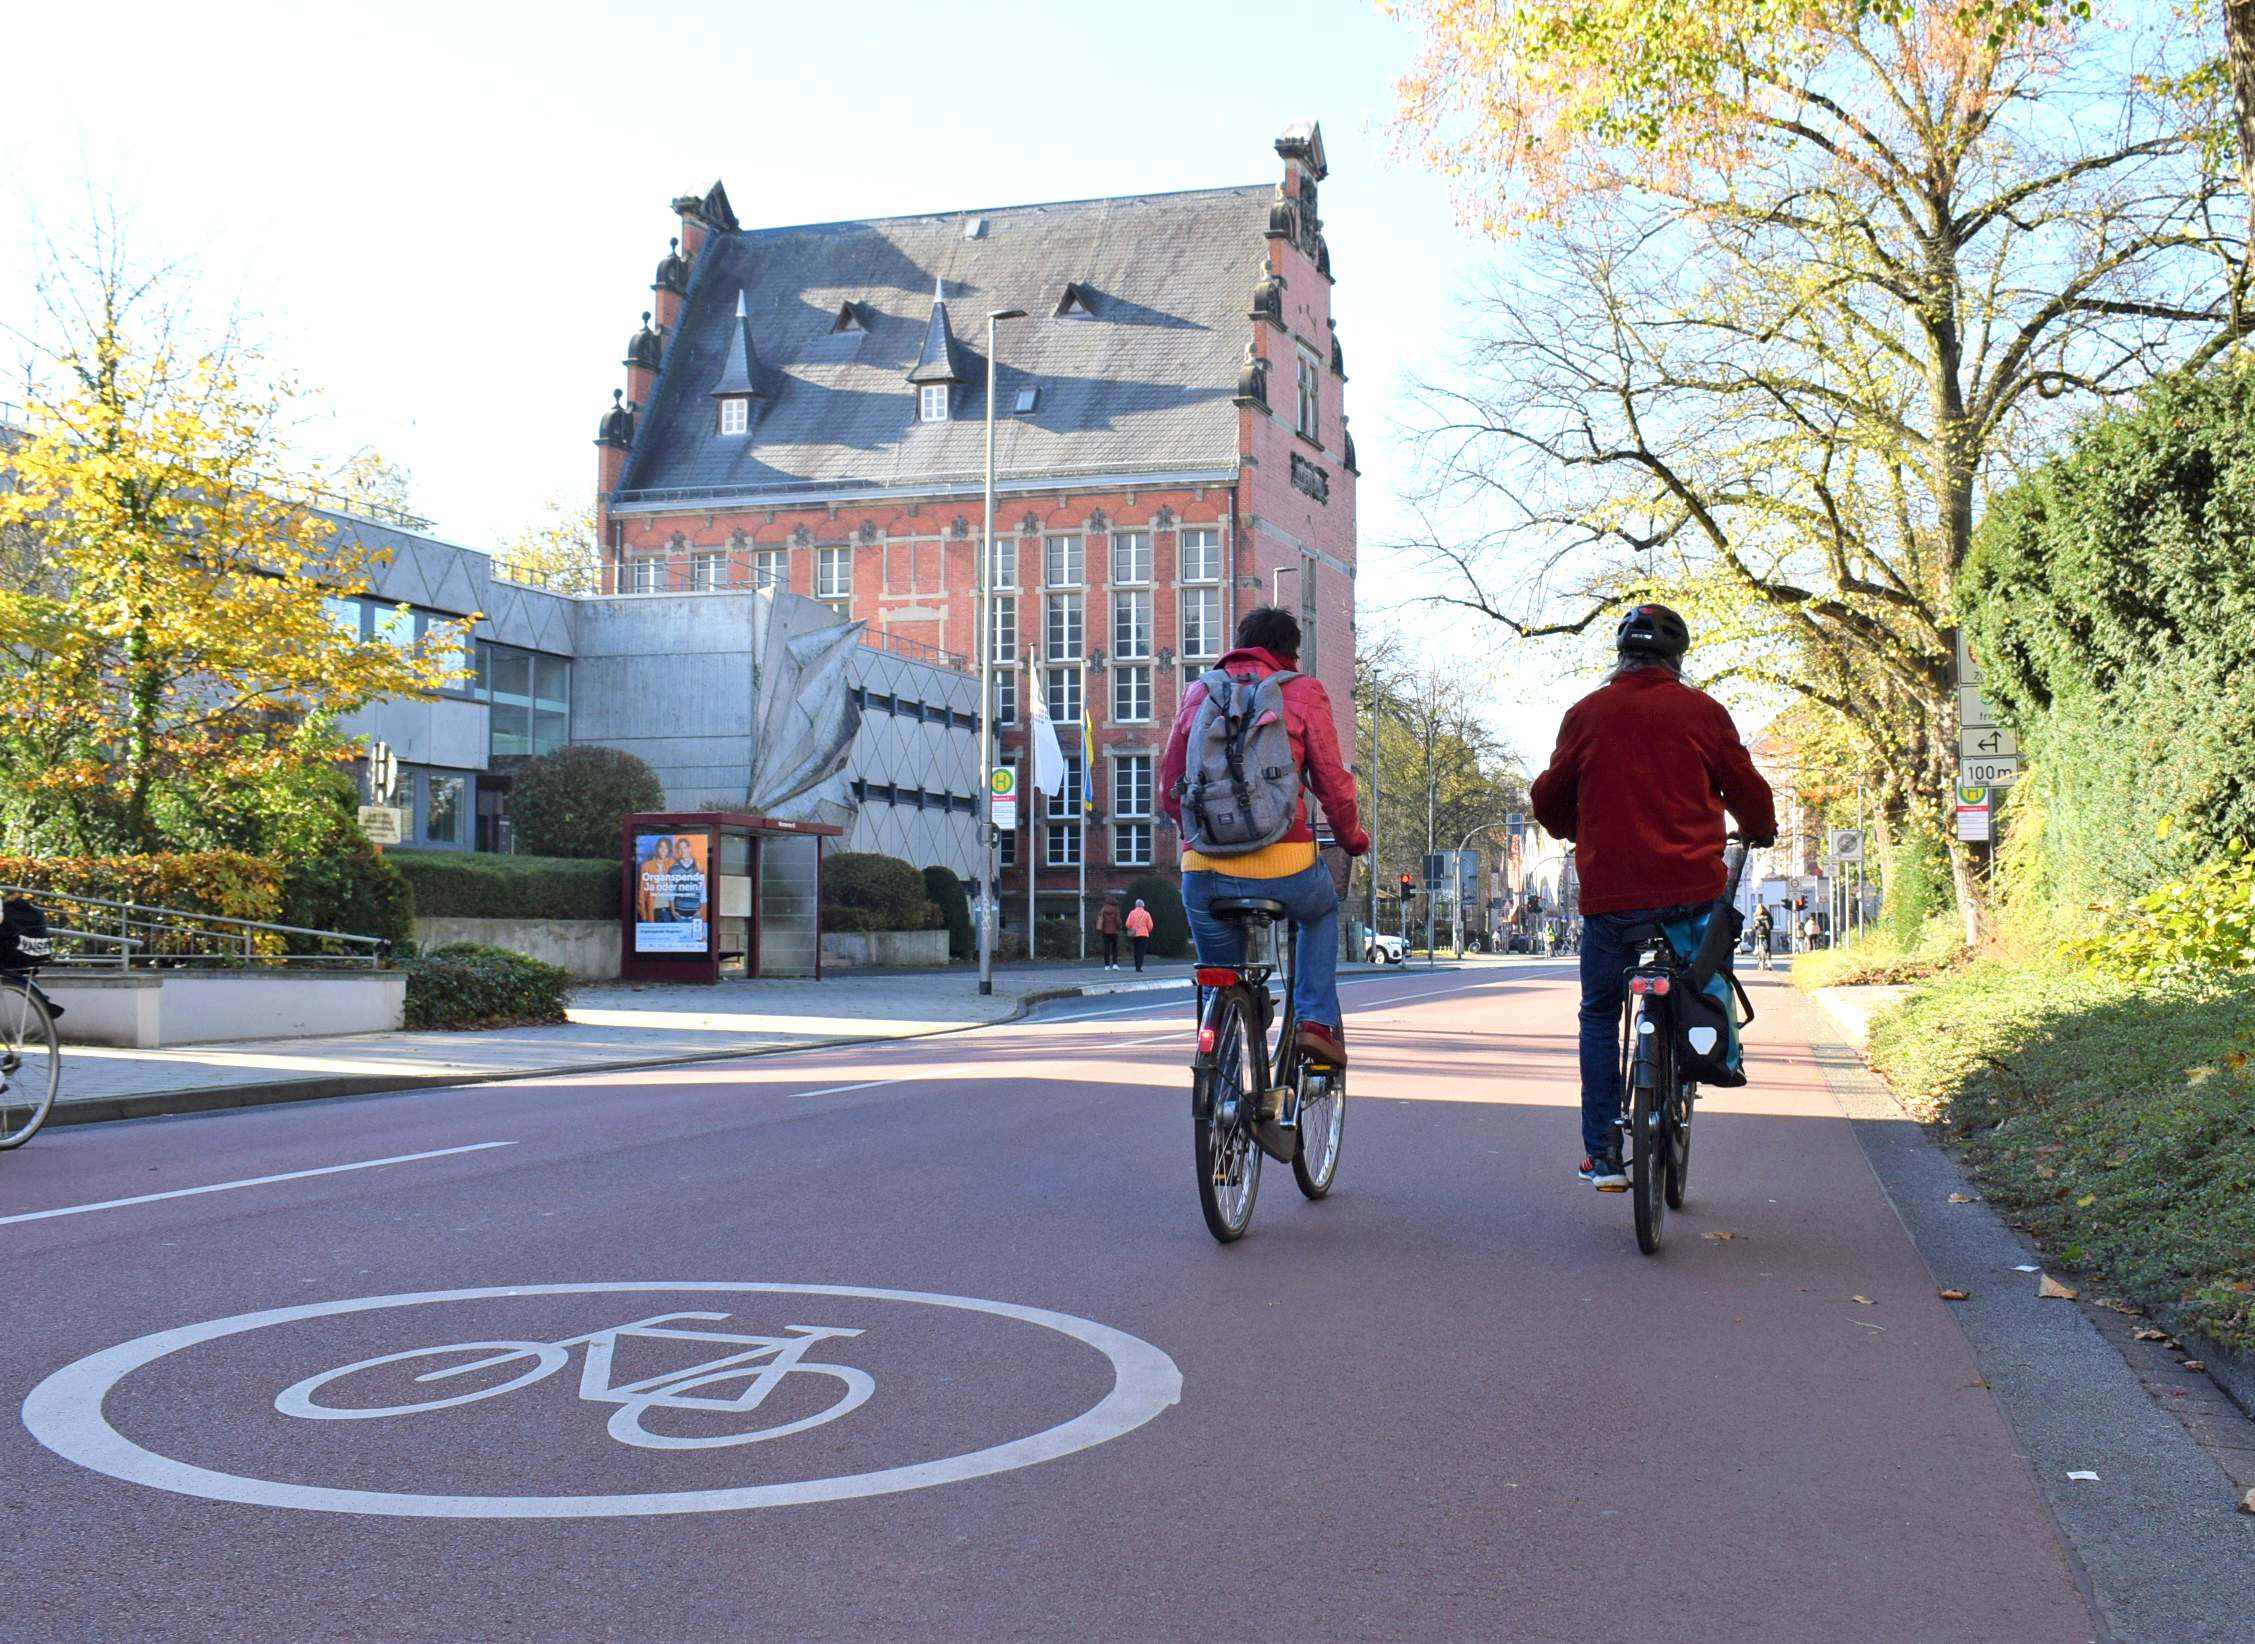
(612, 1025)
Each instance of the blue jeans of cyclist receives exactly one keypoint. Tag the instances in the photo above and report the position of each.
(1606, 958)
(1314, 905)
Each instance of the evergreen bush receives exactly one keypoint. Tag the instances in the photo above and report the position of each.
(1058, 939)
(469, 985)
(947, 894)
(862, 890)
(573, 802)
(1170, 926)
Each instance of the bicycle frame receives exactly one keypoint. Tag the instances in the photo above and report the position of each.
(1253, 978)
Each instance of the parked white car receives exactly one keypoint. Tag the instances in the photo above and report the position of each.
(1391, 950)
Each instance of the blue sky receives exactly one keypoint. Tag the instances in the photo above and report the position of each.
(446, 215)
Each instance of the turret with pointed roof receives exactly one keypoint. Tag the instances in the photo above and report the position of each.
(741, 373)
(941, 360)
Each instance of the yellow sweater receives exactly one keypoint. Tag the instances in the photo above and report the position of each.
(1278, 861)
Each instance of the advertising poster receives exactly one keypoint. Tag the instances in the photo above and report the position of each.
(671, 885)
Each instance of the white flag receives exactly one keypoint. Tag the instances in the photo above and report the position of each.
(1049, 758)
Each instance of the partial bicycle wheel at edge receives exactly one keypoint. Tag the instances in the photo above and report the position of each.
(31, 1064)
(1648, 1166)
(1223, 1094)
(1323, 1125)
(1679, 1146)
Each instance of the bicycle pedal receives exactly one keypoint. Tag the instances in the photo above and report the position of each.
(1623, 1188)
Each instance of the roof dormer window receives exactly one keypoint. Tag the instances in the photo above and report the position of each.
(1077, 299)
(735, 415)
(931, 402)
(848, 318)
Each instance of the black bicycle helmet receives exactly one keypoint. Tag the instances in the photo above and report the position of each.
(1651, 630)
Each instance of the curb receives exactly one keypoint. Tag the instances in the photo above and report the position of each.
(158, 1104)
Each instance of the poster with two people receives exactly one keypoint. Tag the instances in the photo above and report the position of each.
(670, 892)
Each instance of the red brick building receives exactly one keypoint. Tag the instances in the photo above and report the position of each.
(807, 406)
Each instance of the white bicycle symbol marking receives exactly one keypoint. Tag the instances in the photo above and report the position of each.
(761, 1365)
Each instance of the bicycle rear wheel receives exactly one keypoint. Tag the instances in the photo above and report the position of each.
(1679, 1144)
(1224, 1094)
(31, 1064)
(1652, 1074)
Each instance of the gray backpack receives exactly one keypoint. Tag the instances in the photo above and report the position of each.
(1240, 786)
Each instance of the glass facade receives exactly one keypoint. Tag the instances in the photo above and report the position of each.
(531, 697)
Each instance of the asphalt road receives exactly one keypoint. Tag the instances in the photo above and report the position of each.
(1450, 1402)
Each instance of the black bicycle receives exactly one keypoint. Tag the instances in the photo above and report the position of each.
(31, 1059)
(1238, 1112)
(1658, 1096)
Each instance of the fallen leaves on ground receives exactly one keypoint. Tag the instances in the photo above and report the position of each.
(1863, 1301)
(1954, 1295)
(2247, 1502)
(2146, 1332)
(2195, 1365)
(1718, 1235)
(2052, 1290)
(1961, 1198)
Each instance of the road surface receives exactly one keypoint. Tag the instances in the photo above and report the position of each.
(1450, 1402)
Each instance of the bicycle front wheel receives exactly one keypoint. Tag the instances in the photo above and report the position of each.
(1651, 1077)
(31, 1064)
(1323, 1124)
(1224, 1096)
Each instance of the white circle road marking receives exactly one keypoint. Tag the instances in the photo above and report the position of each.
(64, 1413)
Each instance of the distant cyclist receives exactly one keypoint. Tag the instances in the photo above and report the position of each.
(1285, 869)
(1644, 769)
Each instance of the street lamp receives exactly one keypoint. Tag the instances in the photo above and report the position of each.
(990, 903)
(1462, 845)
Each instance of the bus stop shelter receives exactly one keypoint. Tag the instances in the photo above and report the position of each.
(711, 894)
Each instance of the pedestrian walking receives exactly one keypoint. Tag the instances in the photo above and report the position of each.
(1108, 927)
(1139, 929)
(1762, 928)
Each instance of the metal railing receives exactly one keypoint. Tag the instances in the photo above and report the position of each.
(915, 650)
(129, 935)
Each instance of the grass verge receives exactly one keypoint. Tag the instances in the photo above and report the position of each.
(2111, 1119)
(1878, 955)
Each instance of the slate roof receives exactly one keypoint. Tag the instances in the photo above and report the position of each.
(1142, 385)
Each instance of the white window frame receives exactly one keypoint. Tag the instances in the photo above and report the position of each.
(1005, 610)
(1061, 689)
(771, 568)
(1131, 693)
(1006, 695)
(1063, 632)
(735, 415)
(1131, 785)
(833, 560)
(1202, 599)
(1205, 542)
(708, 570)
(1061, 845)
(1131, 559)
(1131, 844)
(648, 572)
(1006, 847)
(1132, 624)
(932, 402)
(1310, 410)
(1063, 561)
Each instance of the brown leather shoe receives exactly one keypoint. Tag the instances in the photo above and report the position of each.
(1320, 1044)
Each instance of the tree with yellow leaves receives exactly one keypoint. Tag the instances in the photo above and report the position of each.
(556, 549)
(165, 606)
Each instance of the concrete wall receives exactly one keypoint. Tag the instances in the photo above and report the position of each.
(588, 948)
(886, 949)
(146, 1011)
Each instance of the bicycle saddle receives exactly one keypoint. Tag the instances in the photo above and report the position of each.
(1247, 907)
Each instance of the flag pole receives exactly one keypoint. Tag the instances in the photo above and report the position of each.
(1033, 834)
(1088, 787)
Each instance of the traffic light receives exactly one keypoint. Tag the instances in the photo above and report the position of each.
(1407, 883)
(1800, 902)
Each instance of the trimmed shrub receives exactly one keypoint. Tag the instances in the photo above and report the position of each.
(864, 891)
(467, 885)
(349, 889)
(1057, 939)
(1170, 926)
(947, 894)
(469, 985)
(573, 801)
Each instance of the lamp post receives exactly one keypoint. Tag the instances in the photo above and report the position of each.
(990, 899)
(1457, 893)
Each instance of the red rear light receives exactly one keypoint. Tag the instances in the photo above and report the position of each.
(1215, 976)
(1648, 984)
(1205, 1041)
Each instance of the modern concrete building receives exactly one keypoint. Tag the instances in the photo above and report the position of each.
(750, 699)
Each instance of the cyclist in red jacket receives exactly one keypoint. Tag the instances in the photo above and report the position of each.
(1644, 768)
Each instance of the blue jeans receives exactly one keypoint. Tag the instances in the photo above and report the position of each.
(1314, 905)
(1606, 958)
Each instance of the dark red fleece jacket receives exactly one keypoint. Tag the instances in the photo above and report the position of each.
(1643, 770)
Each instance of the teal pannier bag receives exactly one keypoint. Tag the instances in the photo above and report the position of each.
(1708, 1017)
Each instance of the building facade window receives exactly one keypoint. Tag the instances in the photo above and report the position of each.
(1308, 565)
(1131, 785)
(1201, 555)
(931, 403)
(530, 696)
(1005, 626)
(735, 416)
(1131, 844)
(1201, 622)
(1131, 558)
(1005, 569)
(647, 573)
(1006, 848)
(1062, 691)
(1131, 693)
(708, 570)
(771, 567)
(1006, 697)
(1310, 396)
(445, 798)
(834, 575)
(1131, 623)
(1062, 628)
(1064, 845)
(1061, 562)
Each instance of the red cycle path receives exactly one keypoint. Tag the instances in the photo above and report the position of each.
(1451, 1402)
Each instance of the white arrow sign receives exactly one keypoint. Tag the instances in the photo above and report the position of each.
(1987, 742)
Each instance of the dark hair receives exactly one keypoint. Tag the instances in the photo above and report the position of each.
(1270, 628)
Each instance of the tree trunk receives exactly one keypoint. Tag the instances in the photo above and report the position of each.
(2239, 59)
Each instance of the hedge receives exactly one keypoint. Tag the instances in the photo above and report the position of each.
(350, 889)
(227, 884)
(469, 985)
(947, 894)
(1170, 926)
(864, 891)
(474, 885)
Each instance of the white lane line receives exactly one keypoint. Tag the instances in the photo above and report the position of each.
(251, 1181)
(901, 1079)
